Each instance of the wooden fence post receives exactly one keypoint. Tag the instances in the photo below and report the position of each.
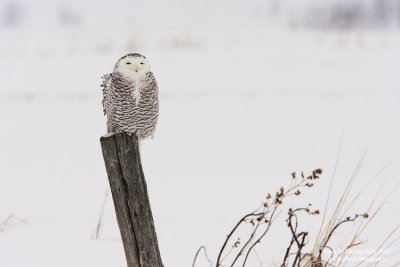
(131, 201)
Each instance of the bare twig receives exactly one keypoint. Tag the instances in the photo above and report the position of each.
(205, 254)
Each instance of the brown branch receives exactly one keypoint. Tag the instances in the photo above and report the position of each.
(262, 236)
(279, 200)
(243, 219)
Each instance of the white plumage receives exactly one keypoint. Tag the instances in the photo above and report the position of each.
(130, 97)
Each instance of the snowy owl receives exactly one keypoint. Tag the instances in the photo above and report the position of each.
(130, 97)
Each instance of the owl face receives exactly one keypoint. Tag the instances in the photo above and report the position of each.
(133, 66)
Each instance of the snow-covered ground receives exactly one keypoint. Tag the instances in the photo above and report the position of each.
(241, 108)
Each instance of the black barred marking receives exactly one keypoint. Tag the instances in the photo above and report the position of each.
(135, 55)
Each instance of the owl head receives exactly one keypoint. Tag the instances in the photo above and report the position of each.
(133, 66)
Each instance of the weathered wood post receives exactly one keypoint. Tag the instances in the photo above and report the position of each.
(131, 201)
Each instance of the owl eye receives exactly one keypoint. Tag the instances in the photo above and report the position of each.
(128, 63)
(141, 63)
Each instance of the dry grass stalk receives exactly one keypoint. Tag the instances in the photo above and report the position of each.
(10, 221)
(97, 231)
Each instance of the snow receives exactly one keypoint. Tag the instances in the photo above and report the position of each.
(107, 135)
(241, 108)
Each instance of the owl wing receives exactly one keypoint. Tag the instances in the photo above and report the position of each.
(105, 84)
(148, 106)
(150, 84)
